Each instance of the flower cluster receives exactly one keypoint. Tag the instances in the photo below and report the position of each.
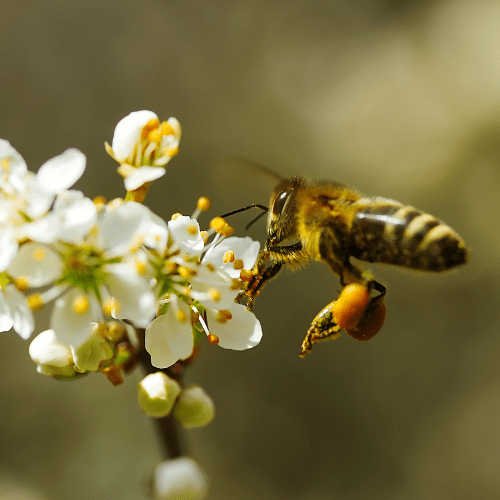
(112, 270)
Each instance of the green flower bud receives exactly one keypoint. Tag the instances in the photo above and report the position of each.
(157, 394)
(194, 408)
(51, 356)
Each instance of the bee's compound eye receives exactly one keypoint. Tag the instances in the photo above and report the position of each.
(281, 200)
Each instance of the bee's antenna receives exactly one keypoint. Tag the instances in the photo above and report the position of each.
(255, 205)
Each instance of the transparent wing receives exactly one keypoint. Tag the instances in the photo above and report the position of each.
(243, 182)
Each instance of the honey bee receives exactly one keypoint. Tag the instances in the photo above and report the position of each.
(328, 222)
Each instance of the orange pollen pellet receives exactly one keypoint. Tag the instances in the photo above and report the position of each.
(217, 223)
(203, 203)
(152, 124)
(22, 283)
(228, 257)
(246, 275)
(351, 305)
(35, 301)
(213, 339)
(214, 294)
(238, 264)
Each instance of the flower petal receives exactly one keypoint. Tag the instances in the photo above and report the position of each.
(242, 331)
(61, 172)
(128, 133)
(140, 175)
(21, 314)
(133, 293)
(38, 263)
(186, 235)
(70, 327)
(168, 339)
(245, 249)
(89, 355)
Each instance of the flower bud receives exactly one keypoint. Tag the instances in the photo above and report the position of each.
(157, 394)
(194, 408)
(180, 479)
(91, 353)
(51, 356)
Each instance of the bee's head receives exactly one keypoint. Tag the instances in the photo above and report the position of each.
(281, 220)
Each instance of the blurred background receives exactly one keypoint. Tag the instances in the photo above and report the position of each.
(398, 98)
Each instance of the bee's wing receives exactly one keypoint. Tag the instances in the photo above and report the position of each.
(243, 182)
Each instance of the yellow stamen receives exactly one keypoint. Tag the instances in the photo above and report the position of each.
(217, 223)
(181, 316)
(238, 264)
(140, 267)
(152, 124)
(81, 304)
(210, 267)
(99, 200)
(21, 283)
(186, 272)
(203, 203)
(227, 230)
(171, 151)
(192, 229)
(38, 254)
(213, 339)
(223, 315)
(204, 235)
(35, 301)
(110, 306)
(166, 128)
(228, 257)
(214, 294)
(154, 135)
(170, 267)
(175, 216)
(246, 275)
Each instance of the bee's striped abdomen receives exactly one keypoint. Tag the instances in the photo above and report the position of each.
(386, 231)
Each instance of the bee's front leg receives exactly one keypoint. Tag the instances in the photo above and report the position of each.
(260, 275)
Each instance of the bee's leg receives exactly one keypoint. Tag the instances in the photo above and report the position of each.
(323, 327)
(256, 283)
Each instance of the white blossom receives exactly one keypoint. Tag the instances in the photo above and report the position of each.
(143, 146)
(15, 312)
(157, 394)
(180, 479)
(51, 356)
